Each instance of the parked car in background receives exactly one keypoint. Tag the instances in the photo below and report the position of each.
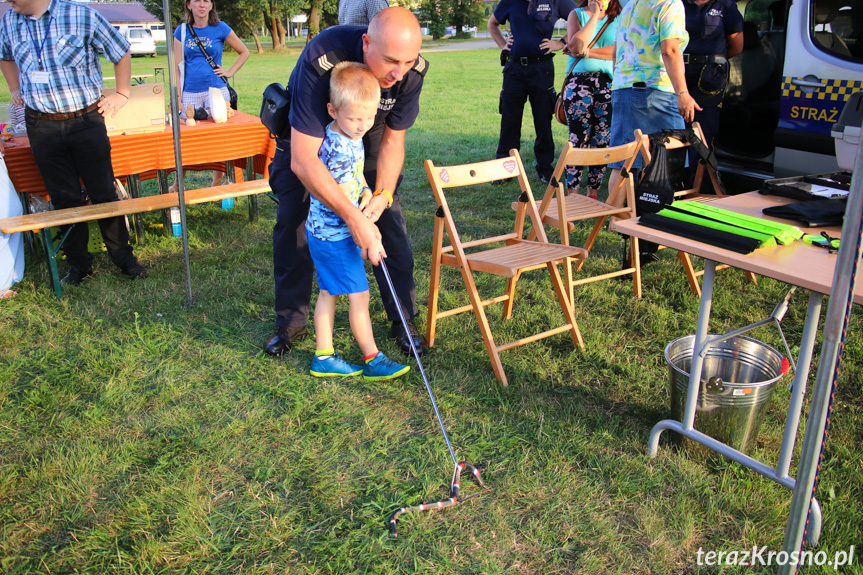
(141, 42)
(468, 29)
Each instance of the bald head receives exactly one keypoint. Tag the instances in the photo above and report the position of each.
(392, 44)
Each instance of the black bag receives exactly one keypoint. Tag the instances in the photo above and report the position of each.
(232, 94)
(275, 110)
(814, 214)
(654, 190)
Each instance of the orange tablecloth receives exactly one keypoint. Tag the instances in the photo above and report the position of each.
(205, 143)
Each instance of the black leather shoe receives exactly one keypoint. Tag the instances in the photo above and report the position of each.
(135, 270)
(397, 332)
(498, 183)
(284, 340)
(75, 276)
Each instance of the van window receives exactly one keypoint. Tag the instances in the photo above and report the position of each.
(139, 33)
(837, 27)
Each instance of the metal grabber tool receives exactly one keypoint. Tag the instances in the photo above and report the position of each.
(459, 465)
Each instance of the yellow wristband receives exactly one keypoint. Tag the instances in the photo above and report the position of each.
(387, 193)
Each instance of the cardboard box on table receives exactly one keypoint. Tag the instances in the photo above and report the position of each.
(144, 112)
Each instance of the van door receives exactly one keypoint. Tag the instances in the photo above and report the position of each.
(801, 61)
(824, 66)
(750, 109)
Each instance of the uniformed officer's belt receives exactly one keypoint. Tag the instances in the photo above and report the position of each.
(703, 59)
(62, 116)
(528, 60)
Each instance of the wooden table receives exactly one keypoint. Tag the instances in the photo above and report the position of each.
(137, 78)
(150, 155)
(798, 264)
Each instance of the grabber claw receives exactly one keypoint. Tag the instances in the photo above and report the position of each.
(453, 499)
(456, 474)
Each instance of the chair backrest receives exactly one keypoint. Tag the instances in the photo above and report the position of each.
(445, 177)
(626, 153)
(700, 172)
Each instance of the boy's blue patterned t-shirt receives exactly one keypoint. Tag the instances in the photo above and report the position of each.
(345, 159)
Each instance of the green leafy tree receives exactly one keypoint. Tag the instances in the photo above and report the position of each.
(434, 13)
(459, 13)
(465, 13)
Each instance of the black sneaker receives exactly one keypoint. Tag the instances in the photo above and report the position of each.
(545, 178)
(135, 270)
(500, 182)
(75, 276)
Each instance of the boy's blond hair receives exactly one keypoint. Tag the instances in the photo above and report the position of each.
(353, 83)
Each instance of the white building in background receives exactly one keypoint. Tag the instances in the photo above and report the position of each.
(123, 16)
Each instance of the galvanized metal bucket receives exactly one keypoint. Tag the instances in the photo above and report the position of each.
(737, 382)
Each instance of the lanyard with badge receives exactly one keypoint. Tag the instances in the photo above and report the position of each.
(41, 75)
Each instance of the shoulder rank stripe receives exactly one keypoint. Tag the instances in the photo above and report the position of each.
(324, 64)
(421, 66)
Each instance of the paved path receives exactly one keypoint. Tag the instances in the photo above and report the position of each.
(474, 45)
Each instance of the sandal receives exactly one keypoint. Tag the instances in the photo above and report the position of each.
(7, 294)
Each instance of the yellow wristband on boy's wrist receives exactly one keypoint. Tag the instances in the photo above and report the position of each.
(383, 192)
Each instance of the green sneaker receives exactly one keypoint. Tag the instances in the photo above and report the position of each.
(334, 366)
(381, 367)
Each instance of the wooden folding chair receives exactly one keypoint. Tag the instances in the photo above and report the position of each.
(509, 260)
(575, 207)
(693, 194)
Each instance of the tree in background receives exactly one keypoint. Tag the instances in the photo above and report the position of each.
(465, 13)
(323, 13)
(458, 13)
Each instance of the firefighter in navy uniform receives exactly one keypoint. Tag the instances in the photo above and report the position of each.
(528, 73)
(715, 30)
(389, 46)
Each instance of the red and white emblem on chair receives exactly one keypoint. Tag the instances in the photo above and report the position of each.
(509, 165)
(444, 176)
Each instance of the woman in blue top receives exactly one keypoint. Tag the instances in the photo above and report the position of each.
(587, 96)
(198, 76)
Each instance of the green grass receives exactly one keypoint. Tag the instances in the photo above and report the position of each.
(142, 435)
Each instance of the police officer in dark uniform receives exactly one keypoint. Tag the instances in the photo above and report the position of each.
(389, 46)
(528, 73)
(715, 30)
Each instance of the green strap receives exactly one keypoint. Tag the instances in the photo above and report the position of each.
(783, 233)
(766, 240)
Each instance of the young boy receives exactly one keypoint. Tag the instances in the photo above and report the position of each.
(354, 98)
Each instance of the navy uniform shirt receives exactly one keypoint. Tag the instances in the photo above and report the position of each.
(529, 30)
(710, 25)
(309, 84)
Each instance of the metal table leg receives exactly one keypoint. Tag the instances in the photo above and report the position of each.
(685, 428)
(51, 256)
(134, 184)
(162, 180)
(253, 199)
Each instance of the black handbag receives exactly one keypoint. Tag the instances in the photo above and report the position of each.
(275, 110)
(232, 94)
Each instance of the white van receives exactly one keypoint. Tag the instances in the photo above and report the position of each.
(801, 61)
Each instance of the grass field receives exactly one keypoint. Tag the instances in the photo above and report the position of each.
(142, 435)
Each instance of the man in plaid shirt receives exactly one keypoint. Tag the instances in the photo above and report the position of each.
(49, 56)
(359, 12)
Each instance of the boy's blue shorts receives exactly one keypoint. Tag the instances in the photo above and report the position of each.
(647, 109)
(339, 265)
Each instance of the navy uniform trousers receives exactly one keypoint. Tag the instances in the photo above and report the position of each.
(292, 263)
(534, 83)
